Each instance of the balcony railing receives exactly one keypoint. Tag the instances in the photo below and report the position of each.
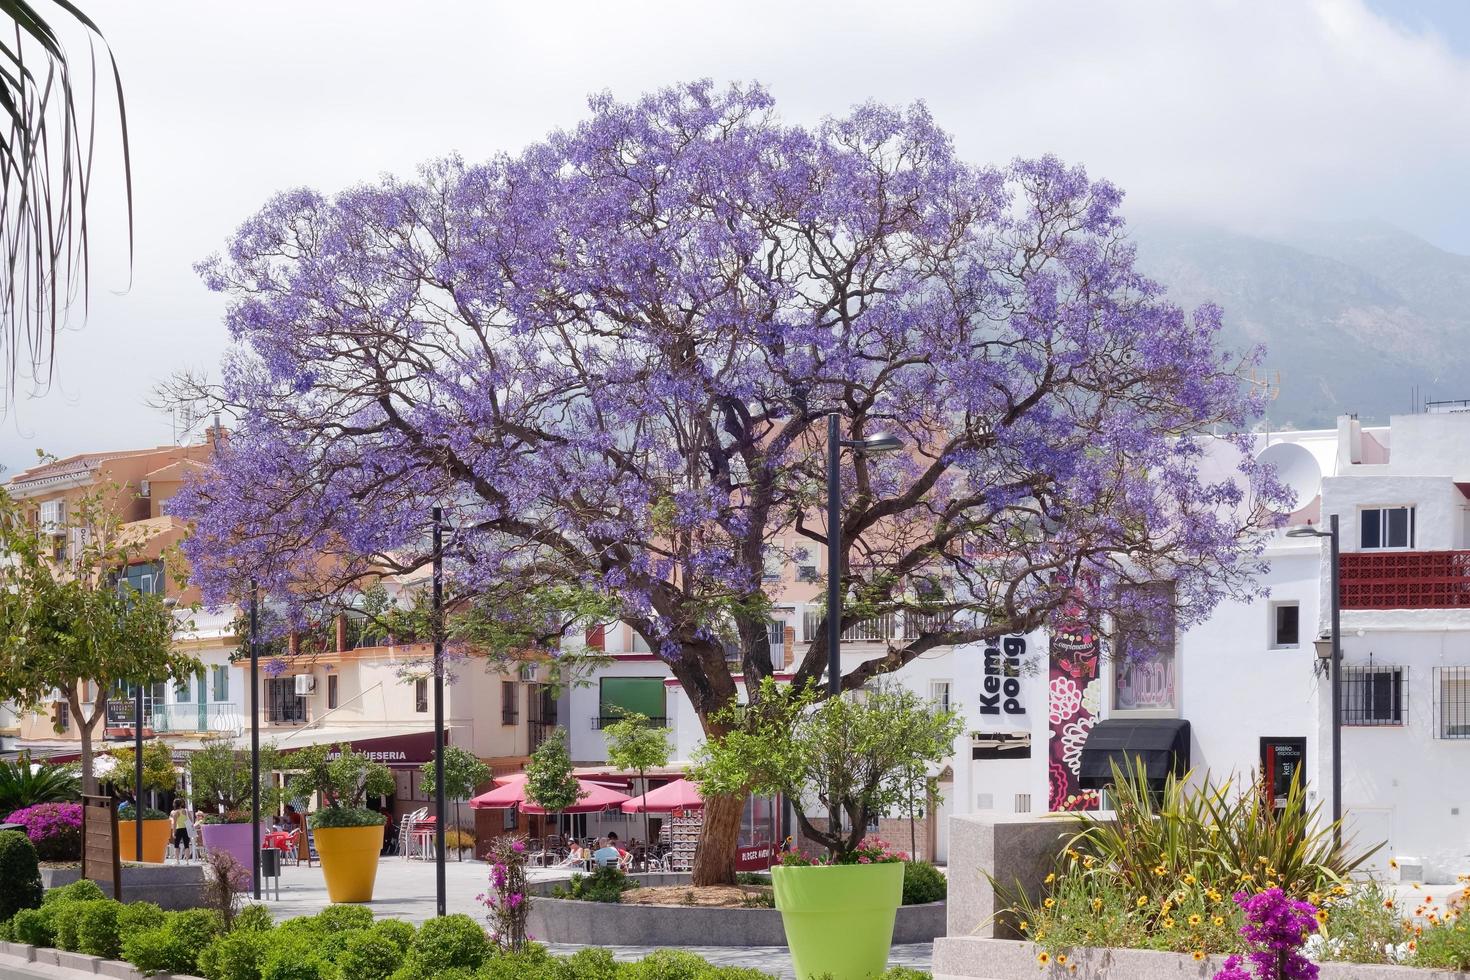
(1405, 580)
(174, 718)
(599, 722)
(880, 628)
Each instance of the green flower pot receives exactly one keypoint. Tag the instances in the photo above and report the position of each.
(839, 920)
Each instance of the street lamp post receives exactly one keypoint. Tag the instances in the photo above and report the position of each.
(1335, 670)
(438, 627)
(835, 445)
(254, 740)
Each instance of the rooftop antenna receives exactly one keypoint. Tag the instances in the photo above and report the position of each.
(185, 417)
(1269, 386)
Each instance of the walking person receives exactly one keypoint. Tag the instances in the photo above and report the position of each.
(179, 817)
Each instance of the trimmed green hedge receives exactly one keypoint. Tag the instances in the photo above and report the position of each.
(342, 942)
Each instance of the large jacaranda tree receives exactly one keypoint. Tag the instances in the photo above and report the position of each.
(610, 359)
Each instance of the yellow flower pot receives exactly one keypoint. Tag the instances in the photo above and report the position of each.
(349, 860)
(156, 834)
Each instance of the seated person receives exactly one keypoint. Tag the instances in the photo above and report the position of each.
(608, 855)
(577, 856)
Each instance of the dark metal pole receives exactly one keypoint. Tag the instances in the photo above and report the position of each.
(1336, 600)
(138, 772)
(254, 740)
(439, 809)
(834, 555)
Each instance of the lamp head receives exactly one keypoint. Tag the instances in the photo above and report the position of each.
(882, 443)
(1308, 531)
(1323, 644)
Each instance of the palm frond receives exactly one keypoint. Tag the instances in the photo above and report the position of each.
(46, 159)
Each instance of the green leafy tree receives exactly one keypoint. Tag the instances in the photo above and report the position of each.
(463, 771)
(851, 757)
(550, 783)
(635, 743)
(68, 624)
(342, 780)
(220, 777)
(158, 770)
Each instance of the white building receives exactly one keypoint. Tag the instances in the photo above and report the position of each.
(1244, 690)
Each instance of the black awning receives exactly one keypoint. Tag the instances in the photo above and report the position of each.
(1161, 743)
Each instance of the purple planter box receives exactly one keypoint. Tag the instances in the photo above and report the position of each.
(233, 839)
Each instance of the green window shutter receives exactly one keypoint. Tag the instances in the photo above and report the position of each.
(628, 695)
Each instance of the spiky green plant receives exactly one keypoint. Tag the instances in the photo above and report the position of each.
(23, 784)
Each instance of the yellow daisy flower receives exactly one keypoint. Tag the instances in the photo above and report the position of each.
(1142, 901)
(1218, 920)
(1050, 878)
(1043, 957)
(1198, 955)
(1048, 903)
(1168, 922)
(1195, 920)
(1322, 916)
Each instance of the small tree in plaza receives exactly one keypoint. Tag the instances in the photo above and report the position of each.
(158, 770)
(69, 623)
(341, 779)
(219, 776)
(463, 771)
(636, 744)
(850, 757)
(550, 782)
(617, 353)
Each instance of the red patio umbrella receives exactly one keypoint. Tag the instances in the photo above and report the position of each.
(681, 794)
(513, 794)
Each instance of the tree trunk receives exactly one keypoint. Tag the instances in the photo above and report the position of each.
(647, 823)
(714, 862)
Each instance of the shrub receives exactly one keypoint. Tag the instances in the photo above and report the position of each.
(139, 915)
(507, 899)
(67, 915)
(236, 955)
(55, 829)
(667, 964)
(175, 946)
(454, 941)
(903, 973)
(81, 890)
(593, 964)
(531, 962)
(340, 918)
(256, 917)
(923, 883)
(369, 955)
(400, 933)
(20, 874)
(225, 878)
(456, 839)
(97, 928)
(602, 885)
(35, 926)
(295, 955)
(24, 784)
(1362, 927)
(330, 818)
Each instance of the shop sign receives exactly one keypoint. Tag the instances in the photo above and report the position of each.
(1000, 685)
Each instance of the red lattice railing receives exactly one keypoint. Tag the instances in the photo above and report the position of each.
(1406, 580)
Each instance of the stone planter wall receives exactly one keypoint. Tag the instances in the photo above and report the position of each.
(971, 956)
(22, 961)
(170, 886)
(558, 920)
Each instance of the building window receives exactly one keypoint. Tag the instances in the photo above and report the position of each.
(146, 577)
(421, 695)
(1452, 702)
(182, 692)
(510, 709)
(939, 694)
(1373, 695)
(1285, 625)
(221, 677)
(619, 696)
(62, 722)
(772, 562)
(1386, 528)
(331, 691)
(1144, 670)
(282, 703)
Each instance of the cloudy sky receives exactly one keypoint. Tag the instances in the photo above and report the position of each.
(1250, 114)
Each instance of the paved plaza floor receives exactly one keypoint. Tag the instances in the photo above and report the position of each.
(405, 890)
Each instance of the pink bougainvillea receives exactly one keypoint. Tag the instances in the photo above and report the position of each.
(55, 829)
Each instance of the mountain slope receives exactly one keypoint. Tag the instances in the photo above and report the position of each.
(1353, 316)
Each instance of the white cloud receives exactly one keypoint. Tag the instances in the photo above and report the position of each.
(1250, 113)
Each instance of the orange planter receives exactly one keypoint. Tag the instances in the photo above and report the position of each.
(155, 840)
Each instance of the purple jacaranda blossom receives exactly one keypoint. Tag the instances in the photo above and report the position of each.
(611, 357)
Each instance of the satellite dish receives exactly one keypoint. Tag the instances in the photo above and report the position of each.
(1296, 468)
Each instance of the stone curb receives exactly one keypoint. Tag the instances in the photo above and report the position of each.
(16, 957)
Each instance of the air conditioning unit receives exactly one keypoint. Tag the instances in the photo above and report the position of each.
(806, 573)
(528, 673)
(305, 684)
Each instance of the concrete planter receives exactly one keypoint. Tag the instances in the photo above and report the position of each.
(20, 960)
(972, 956)
(171, 886)
(557, 920)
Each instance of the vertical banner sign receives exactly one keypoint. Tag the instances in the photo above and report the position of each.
(1000, 685)
(1073, 702)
